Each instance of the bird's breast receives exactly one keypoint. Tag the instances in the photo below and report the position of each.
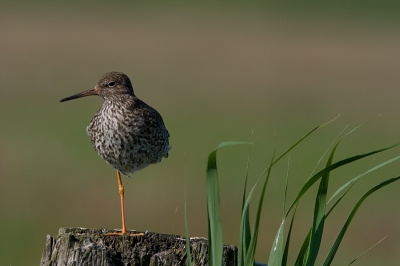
(127, 140)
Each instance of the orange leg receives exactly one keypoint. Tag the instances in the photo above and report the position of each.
(121, 195)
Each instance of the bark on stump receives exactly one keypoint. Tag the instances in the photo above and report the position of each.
(81, 246)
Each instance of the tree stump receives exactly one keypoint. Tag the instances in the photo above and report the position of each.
(81, 246)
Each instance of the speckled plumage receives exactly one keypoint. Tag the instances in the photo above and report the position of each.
(126, 132)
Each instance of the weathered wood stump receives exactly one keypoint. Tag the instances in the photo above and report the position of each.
(81, 246)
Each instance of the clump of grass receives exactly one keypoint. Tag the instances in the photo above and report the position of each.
(278, 256)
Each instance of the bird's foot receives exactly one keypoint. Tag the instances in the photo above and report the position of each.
(123, 234)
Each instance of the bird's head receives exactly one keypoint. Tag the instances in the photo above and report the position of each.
(110, 85)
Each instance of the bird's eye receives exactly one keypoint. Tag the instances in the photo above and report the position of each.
(111, 84)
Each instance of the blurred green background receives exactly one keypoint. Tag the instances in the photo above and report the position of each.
(255, 71)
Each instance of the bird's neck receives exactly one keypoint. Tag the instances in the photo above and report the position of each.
(120, 100)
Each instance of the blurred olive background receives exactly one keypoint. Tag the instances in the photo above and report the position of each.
(260, 72)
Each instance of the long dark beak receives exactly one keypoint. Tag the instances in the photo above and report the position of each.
(94, 91)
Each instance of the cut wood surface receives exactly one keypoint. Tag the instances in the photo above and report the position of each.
(81, 246)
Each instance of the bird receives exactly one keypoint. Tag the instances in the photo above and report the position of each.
(126, 132)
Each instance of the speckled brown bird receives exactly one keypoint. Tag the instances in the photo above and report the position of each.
(126, 132)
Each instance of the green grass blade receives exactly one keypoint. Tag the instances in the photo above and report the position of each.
(338, 240)
(245, 236)
(253, 243)
(215, 246)
(303, 253)
(319, 214)
(350, 184)
(286, 187)
(363, 174)
(354, 129)
(326, 151)
(243, 224)
(246, 254)
(276, 253)
(245, 180)
(362, 254)
(348, 133)
(286, 250)
(328, 169)
(230, 143)
(297, 143)
(245, 232)
(243, 254)
(337, 202)
(188, 255)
